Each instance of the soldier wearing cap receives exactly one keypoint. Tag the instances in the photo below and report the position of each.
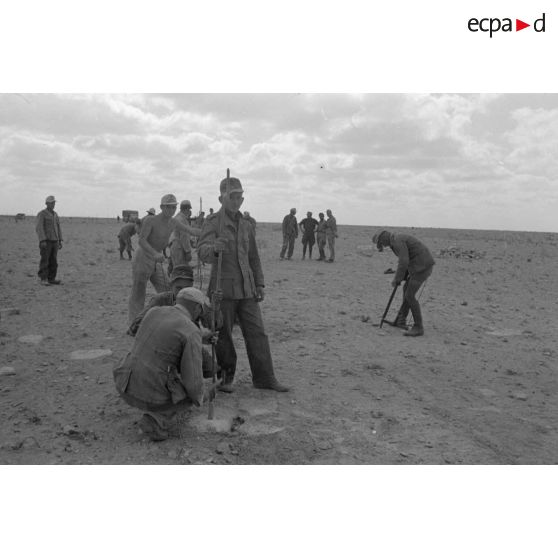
(242, 287)
(162, 374)
(50, 241)
(331, 234)
(290, 232)
(321, 237)
(147, 264)
(415, 265)
(180, 242)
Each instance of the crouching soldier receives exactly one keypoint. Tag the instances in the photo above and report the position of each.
(182, 277)
(162, 374)
(415, 265)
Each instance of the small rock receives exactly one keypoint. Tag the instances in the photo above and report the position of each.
(520, 396)
(223, 447)
(7, 371)
(29, 443)
(32, 339)
(8, 312)
(88, 354)
(464, 303)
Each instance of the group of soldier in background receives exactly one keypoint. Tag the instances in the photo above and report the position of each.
(323, 231)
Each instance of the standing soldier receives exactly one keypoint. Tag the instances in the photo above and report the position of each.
(331, 234)
(307, 228)
(242, 284)
(153, 238)
(321, 237)
(125, 239)
(180, 240)
(290, 232)
(415, 260)
(50, 241)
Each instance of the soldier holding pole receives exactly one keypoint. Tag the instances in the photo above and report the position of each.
(227, 242)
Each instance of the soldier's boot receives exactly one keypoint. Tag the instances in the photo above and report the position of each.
(271, 383)
(121, 255)
(310, 253)
(151, 427)
(417, 330)
(226, 385)
(129, 255)
(400, 321)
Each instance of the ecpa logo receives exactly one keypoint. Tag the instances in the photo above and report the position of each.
(493, 25)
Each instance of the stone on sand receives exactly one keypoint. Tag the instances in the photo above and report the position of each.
(89, 354)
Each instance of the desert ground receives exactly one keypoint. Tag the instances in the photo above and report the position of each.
(479, 388)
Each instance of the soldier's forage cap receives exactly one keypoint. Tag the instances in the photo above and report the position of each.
(185, 203)
(234, 186)
(169, 199)
(381, 239)
(151, 211)
(193, 294)
(182, 272)
(50, 199)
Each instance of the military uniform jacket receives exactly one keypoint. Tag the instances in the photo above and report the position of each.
(241, 269)
(413, 255)
(290, 226)
(48, 226)
(165, 363)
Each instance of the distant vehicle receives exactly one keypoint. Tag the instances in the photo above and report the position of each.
(19, 217)
(129, 215)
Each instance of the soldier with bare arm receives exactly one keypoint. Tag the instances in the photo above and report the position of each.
(147, 264)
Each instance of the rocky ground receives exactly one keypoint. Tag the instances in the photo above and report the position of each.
(479, 388)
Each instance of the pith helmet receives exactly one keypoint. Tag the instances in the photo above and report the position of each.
(169, 199)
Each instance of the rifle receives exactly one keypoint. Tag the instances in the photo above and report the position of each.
(214, 304)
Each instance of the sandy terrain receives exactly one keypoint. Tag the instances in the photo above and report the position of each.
(479, 387)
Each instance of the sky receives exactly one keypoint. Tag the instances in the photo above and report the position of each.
(473, 161)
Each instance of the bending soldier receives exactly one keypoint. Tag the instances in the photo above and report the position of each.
(415, 260)
(125, 239)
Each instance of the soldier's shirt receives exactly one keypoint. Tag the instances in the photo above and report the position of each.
(48, 226)
(309, 225)
(241, 270)
(331, 226)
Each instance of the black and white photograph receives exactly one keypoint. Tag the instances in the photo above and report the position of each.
(278, 279)
(372, 279)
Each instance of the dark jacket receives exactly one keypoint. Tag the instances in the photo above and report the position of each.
(413, 255)
(241, 270)
(290, 226)
(48, 226)
(165, 363)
